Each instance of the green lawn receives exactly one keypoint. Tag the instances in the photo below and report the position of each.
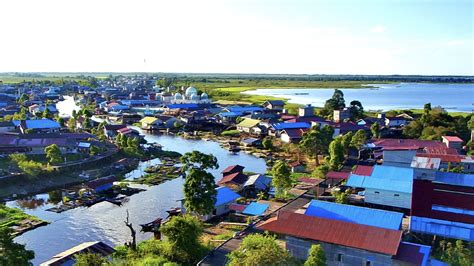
(12, 216)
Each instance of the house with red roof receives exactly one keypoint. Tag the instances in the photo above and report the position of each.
(453, 142)
(345, 240)
(292, 135)
(233, 169)
(334, 178)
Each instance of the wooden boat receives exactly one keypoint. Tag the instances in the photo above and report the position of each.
(174, 211)
(153, 226)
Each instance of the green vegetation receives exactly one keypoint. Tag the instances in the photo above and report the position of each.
(281, 180)
(12, 253)
(199, 185)
(53, 154)
(316, 256)
(336, 154)
(89, 259)
(259, 249)
(230, 133)
(456, 254)
(30, 168)
(11, 216)
(316, 141)
(182, 245)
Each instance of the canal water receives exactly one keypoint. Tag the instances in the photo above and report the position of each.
(452, 97)
(104, 221)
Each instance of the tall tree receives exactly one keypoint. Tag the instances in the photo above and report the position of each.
(183, 233)
(89, 259)
(258, 249)
(316, 141)
(346, 141)
(53, 153)
(281, 180)
(336, 154)
(375, 130)
(199, 185)
(12, 253)
(336, 102)
(316, 256)
(359, 139)
(356, 110)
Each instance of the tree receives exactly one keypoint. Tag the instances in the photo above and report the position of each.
(23, 98)
(336, 154)
(321, 171)
(46, 112)
(89, 259)
(316, 141)
(257, 249)
(340, 197)
(356, 110)
(199, 185)
(12, 253)
(457, 254)
(53, 153)
(359, 139)
(336, 102)
(281, 180)
(316, 256)
(94, 150)
(267, 143)
(375, 130)
(413, 130)
(346, 141)
(183, 233)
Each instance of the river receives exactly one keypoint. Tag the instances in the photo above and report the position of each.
(452, 97)
(104, 221)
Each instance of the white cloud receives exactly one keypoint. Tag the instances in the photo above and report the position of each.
(378, 29)
(456, 43)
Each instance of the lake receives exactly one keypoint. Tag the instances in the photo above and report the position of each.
(104, 221)
(452, 97)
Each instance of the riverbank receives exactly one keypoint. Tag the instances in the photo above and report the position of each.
(18, 221)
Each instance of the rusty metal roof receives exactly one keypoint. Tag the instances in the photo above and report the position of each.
(336, 232)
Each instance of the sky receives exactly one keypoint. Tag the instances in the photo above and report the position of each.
(246, 36)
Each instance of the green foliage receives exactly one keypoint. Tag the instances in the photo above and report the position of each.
(89, 259)
(359, 139)
(267, 143)
(12, 253)
(336, 154)
(183, 233)
(316, 256)
(199, 185)
(375, 130)
(230, 133)
(356, 110)
(336, 102)
(340, 197)
(18, 157)
(321, 171)
(346, 141)
(281, 180)
(31, 168)
(456, 254)
(259, 249)
(53, 154)
(316, 141)
(94, 150)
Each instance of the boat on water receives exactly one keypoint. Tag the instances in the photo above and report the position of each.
(152, 226)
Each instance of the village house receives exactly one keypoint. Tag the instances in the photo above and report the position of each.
(453, 142)
(247, 124)
(255, 184)
(276, 129)
(372, 237)
(388, 186)
(150, 123)
(341, 115)
(442, 204)
(37, 126)
(292, 135)
(224, 199)
(276, 105)
(68, 257)
(395, 121)
(7, 126)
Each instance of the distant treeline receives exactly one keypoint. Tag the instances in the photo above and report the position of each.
(289, 77)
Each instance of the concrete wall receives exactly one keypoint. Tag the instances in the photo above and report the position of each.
(299, 248)
(388, 198)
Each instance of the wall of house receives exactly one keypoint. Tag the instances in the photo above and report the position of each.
(299, 248)
(442, 228)
(388, 198)
(285, 138)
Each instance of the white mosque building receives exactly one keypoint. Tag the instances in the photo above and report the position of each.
(190, 96)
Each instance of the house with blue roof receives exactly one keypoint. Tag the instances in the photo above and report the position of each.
(386, 186)
(355, 214)
(224, 198)
(256, 209)
(37, 126)
(276, 129)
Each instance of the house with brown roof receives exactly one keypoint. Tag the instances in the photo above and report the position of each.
(345, 242)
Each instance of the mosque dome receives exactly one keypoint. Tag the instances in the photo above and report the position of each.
(190, 91)
(178, 96)
(194, 97)
(204, 96)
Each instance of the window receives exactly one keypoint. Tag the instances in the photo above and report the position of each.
(396, 195)
(368, 263)
(339, 257)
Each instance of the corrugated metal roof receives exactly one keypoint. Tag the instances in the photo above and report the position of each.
(364, 170)
(281, 126)
(359, 236)
(425, 162)
(355, 214)
(38, 123)
(256, 209)
(225, 195)
(148, 120)
(391, 178)
(412, 253)
(337, 175)
(248, 122)
(466, 180)
(444, 228)
(259, 181)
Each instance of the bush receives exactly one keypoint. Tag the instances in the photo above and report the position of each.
(230, 133)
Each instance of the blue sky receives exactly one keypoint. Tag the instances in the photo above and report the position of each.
(248, 36)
